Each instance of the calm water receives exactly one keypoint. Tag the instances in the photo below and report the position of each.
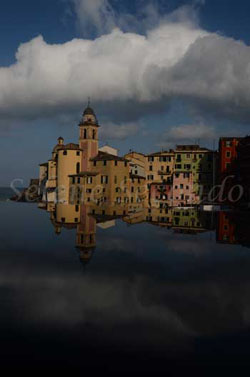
(148, 301)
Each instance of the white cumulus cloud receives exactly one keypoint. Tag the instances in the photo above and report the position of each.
(135, 72)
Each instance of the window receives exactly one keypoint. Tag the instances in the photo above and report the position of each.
(77, 208)
(79, 180)
(228, 143)
(85, 134)
(88, 191)
(94, 163)
(187, 187)
(115, 179)
(181, 186)
(104, 163)
(125, 164)
(78, 168)
(178, 166)
(78, 153)
(89, 180)
(228, 154)
(177, 175)
(93, 134)
(188, 155)
(63, 219)
(132, 189)
(76, 219)
(150, 159)
(65, 153)
(151, 168)
(116, 162)
(104, 179)
(73, 180)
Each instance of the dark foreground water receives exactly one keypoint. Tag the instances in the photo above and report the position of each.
(148, 302)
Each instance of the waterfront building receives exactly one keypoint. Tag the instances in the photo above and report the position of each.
(193, 176)
(159, 167)
(228, 166)
(242, 173)
(84, 173)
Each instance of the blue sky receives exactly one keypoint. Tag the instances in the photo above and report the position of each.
(30, 125)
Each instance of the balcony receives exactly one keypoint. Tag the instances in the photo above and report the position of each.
(162, 172)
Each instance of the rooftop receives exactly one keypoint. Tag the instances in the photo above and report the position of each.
(162, 153)
(134, 176)
(194, 147)
(103, 156)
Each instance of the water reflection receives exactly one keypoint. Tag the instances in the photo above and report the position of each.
(155, 287)
(229, 227)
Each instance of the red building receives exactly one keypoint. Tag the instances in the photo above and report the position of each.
(228, 166)
(227, 155)
(243, 168)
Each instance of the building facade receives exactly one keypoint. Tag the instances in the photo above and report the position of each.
(84, 173)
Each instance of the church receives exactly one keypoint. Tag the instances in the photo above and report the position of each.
(84, 173)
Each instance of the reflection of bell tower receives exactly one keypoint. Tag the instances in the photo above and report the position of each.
(86, 235)
(88, 138)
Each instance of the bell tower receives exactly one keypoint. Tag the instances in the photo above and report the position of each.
(88, 138)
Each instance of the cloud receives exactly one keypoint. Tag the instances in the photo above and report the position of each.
(95, 15)
(137, 73)
(111, 131)
(189, 133)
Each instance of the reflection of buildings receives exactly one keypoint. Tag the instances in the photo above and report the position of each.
(225, 229)
(231, 228)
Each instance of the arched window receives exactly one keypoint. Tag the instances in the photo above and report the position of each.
(78, 168)
(93, 134)
(85, 134)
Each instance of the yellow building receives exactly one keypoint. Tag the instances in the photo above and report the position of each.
(159, 166)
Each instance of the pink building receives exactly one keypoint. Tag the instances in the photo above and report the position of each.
(183, 194)
(160, 194)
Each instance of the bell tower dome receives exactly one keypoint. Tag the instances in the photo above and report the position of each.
(88, 138)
